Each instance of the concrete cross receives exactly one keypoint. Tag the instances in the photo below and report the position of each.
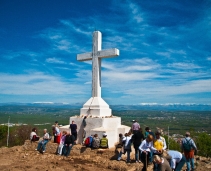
(96, 55)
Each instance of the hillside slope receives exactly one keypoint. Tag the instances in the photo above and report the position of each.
(20, 158)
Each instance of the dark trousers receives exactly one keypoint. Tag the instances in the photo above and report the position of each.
(75, 135)
(66, 150)
(145, 160)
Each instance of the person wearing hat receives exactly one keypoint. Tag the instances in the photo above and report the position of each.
(135, 126)
(189, 153)
(146, 147)
(104, 141)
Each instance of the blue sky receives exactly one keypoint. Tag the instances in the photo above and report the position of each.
(165, 51)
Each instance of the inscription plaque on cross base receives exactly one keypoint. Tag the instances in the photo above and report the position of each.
(96, 106)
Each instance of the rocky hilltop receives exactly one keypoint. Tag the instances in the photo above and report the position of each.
(20, 158)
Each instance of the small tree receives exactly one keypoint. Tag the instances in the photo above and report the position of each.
(3, 135)
(19, 135)
(203, 143)
(172, 144)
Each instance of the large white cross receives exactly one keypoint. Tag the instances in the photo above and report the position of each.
(96, 55)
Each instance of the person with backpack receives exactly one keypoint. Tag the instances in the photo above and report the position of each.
(104, 141)
(68, 144)
(126, 147)
(188, 147)
(41, 145)
(96, 142)
(88, 141)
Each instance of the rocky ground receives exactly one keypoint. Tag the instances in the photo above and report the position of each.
(21, 158)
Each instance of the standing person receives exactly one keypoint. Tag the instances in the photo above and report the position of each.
(189, 146)
(33, 135)
(61, 145)
(137, 139)
(73, 128)
(96, 142)
(163, 164)
(104, 141)
(41, 145)
(57, 133)
(68, 144)
(135, 126)
(146, 147)
(127, 147)
(177, 160)
(149, 132)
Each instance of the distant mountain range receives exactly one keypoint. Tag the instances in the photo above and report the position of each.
(142, 106)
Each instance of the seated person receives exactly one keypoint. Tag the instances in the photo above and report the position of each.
(41, 145)
(96, 142)
(33, 135)
(104, 141)
(88, 141)
(68, 144)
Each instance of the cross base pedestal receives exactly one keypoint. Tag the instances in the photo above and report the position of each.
(95, 107)
(111, 126)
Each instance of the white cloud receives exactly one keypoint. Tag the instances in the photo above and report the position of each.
(38, 83)
(209, 58)
(180, 65)
(55, 60)
(136, 12)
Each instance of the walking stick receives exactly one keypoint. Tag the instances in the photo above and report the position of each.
(146, 161)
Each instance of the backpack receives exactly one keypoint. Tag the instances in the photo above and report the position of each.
(50, 137)
(187, 145)
(88, 141)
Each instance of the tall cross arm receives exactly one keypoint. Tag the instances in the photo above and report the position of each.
(84, 56)
(108, 53)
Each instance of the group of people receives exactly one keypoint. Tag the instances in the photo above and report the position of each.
(64, 139)
(95, 142)
(151, 148)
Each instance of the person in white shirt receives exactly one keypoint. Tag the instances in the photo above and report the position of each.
(126, 147)
(43, 142)
(146, 147)
(177, 160)
(33, 135)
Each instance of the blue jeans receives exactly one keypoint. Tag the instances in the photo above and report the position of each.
(190, 163)
(42, 145)
(128, 155)
(180, 164)
(66, 150)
